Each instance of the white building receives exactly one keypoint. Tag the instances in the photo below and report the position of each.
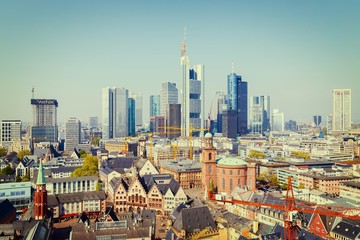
(259, 114)
(114, 112)
(277, 120)
(73, 134)
(10, 131)
(168, 95)
(341, 115)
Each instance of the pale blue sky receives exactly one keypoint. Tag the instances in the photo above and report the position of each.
(294, 51)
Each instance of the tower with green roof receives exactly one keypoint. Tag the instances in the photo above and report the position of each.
(40, 198)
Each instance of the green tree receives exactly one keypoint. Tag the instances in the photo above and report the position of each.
(98, 187)
(256, 154)
(273, 180)
(284, 186)
(96, 142)
(89, 167)
(22, 154)
(7, 171)
(299, 154)
(17, 178)
(3, 151)
(212, 188)
(26, 178)
(82, 153)
(301, 186)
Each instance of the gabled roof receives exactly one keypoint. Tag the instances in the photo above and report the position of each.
(191, 219)
(305, 235)
(162, 181)
(348, 228)
(115, 183)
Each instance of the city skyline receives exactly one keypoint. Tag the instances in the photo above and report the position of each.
(296, 53)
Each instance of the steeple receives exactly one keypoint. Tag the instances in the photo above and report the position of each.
(40, 176)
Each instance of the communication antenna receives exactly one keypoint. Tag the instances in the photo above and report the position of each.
(33, 92)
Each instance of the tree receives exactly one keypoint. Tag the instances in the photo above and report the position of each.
(89, 167)
(26, 178)
(17, 178)
(98, 187)
(3, 151)
(212, 188)
(299, 154)
(256, 154)
(273, 180)
(6, 171)
(301, 186)
(22, 154)
(96, 141)
(284, 186)
(82, 153)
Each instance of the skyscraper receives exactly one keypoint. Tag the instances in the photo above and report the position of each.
(72, 134)
(44, 126)
(259, 114)
(237, 96)
(192, 95)
(341, 114)
(317, 120)
(114, 112)
(277, 120)
(168, 95)
(138, 107)
(131, 116)
(173, 113)
(215, 115)
(155, 105)
(93, 122)
(10, 131)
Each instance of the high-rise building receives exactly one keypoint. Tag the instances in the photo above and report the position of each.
(10, 131)
(138, 107)
(155, 105)
(237, 97)
(114, 112)
(168, 95)
(72, 134)
(131, 116)
(173, 120)
(341, 114)
(329, 122)
(277, 120)
(291, 125)
(317, 120)
(215, 115)
(44, 127)
(259, 114)
(93, 122)
(192, 95)
(229, 123)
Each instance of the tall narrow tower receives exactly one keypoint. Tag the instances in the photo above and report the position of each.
(185, 91)
(40, 199)
(208, 164)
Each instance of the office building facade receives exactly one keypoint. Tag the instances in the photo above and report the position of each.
(173, 120)
(229, 123)
(192, 95)
(44, 127)
(10, 131)
(237, 99)
(114, 112)
(131, 116)
(168, 94)
(317, 120)
(138, 107)
(341, 114)
(93, 122)
(72, 134)
(259, 114)
(154, 105)
(277, 120)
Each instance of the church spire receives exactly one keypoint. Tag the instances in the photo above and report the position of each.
(40, 176)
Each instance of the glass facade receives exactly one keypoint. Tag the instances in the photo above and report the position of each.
(131, 116)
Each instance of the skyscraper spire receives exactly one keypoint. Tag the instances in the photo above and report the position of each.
(183, 45)
(232, 67)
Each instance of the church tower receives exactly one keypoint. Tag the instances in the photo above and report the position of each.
(208, 164)
(40, 199)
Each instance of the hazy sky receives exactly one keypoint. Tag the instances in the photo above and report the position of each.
(294, 51)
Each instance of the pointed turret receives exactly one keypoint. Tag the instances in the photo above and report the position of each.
(40, 196)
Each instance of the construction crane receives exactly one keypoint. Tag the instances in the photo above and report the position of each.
(190, 135)
(290, 208)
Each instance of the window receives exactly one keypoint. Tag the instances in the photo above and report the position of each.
(223, 184)
(210, 157)
(230, 172)
(231, 184)
(210, 169)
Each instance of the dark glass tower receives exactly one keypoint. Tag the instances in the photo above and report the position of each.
(238, 101)
(131, 116)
